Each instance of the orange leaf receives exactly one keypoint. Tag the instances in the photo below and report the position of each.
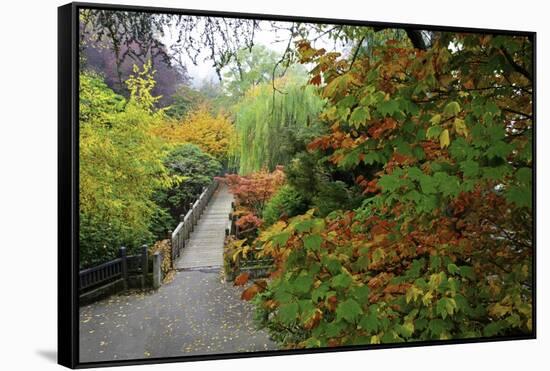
(315, 80)
(314, 320)
(250, 292)
(331, 303)
(241, 279)
(262, 284)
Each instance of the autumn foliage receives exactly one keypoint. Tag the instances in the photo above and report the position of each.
(439, 140)
(212, 133)
(391, 187)
(253, 191)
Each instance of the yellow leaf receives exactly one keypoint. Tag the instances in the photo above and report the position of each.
(427, 299)
(412, 294)
(499, 310)
(444, 139)
(435, 119)
(460, 127)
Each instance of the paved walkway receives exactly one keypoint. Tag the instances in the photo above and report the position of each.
(205, 246)
(195, 314)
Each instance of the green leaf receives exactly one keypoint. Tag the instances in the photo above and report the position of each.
(333, 265)
(351, 159)
(437, 326)
(337, 86)
(361, 293)
(370, 321)
(304, 225)
(348, 310)
(281, 238)
(467, 272)
(452, 268)
(388, 107)
(287, 313)
(307, 309)
(435, 262)
(493, 328)
(448, 184)
(359, 116)
(313, 242)
(389, 183)
(334, 328)
(433, 132)
(469, 168)
(320, 292)
(428, 184)
(521, 196)
(524, 175)
(313, 343)
(452, 108)
(343, 280)
(499, 149)
(302, 284)
(415, 173)
(445, 306)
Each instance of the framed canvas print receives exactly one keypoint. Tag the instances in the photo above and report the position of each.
(236, 185)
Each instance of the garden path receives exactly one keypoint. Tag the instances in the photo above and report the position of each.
(197, 313)
(205, 245)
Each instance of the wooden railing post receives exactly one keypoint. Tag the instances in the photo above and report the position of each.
(172, 263)
(182, 234)
(233, 225)
(144, 265)
(124, 265)
(191, 217)
(157, 272)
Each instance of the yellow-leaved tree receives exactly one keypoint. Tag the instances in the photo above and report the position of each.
(212, 133)
(120, 165)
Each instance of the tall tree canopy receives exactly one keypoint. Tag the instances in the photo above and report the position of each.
(119, 166)
(272, 126)
(440, 141)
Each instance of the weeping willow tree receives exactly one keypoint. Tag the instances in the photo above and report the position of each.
(273, 125)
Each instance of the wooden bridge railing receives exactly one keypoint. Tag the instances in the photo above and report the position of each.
(189, 220)
(117, 272)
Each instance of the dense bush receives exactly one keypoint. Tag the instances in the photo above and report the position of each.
(119, 166)
(287, 202)
(252, 191)
(321, 185)
(194, 170)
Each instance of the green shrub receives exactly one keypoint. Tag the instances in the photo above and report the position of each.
(196, 170)
(286, 202)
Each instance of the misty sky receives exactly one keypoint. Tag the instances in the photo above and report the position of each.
(274, 39)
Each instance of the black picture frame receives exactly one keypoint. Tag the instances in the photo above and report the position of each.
(68, 165)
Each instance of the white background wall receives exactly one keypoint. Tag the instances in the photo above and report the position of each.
(28, 151)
